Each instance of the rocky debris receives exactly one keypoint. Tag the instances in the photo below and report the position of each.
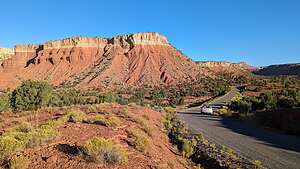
(86, 62)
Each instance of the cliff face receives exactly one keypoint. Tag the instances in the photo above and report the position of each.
(5, 53)
(84, 62)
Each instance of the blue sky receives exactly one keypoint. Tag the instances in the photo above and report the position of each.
(260, 32)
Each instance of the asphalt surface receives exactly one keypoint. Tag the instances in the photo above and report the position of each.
(275, 150)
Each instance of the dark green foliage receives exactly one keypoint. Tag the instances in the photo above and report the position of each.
(157, 95)
(31, 95)
(138, 97)
(174, 97)
(245, 107)
(267, 101)
(242, 106)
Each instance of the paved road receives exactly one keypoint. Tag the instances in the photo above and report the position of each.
(226, 98)
(276, 151)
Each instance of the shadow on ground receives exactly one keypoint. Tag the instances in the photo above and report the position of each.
(268, 137)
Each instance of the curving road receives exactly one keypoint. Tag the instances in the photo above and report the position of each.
(275, 150)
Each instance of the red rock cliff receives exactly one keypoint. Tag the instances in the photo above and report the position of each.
(84, 62)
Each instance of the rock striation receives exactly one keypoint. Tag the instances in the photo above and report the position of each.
(89, 62)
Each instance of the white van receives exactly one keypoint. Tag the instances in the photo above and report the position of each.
(207, 110)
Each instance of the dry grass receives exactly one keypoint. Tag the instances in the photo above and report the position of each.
(105, 151)
(108, 121)
(139, 140)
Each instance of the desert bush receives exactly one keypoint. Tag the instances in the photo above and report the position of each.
(145, 127)
(76, 116)
(52, 124)
(24, 127)
(188, 147)
(8, 146)
(24, 136)
(105, 151)
(138, 140)
(174, 97)
(104, 120)
(40, 136)
(31, 95)
(4, 102)
(18, 162)
(157, 95)
(108, 97)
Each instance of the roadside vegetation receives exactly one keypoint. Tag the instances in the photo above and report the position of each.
(275, 109)
(200, 150)
(32, 95)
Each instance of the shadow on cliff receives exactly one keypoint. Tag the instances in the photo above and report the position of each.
(32, 60)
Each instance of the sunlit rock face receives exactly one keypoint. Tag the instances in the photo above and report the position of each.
(89, 62)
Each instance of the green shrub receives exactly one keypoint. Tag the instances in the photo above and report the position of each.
(105, 151)
(75, 116)
(31, 95)
(188, 147)
(104, 120)
(138, 140)
(18, 162)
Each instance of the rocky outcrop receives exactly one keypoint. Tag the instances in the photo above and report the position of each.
(224, 68)
(86, 62)
(5, 53)
(278, 70)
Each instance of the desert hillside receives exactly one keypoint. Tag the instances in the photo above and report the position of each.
(85, 62)
(130, 136)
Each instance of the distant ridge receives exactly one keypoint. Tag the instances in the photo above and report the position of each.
(280, 69)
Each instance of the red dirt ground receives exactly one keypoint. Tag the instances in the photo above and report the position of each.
(49, 156)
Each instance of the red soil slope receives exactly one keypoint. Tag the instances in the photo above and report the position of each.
(83, 62)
